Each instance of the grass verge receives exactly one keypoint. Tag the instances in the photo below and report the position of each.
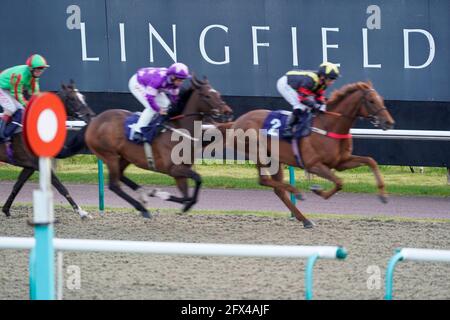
(399, 180)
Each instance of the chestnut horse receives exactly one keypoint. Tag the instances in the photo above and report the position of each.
(328, 147)
(105, 137)
(17, 153)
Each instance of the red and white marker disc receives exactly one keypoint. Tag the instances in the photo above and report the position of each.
(44, 125)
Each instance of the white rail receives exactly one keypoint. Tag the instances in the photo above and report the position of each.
(178, 248)
(191, 249)
(357, 133)
(413, 254)
(401, 134)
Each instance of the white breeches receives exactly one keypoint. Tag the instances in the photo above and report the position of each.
(8, 102)
(139, 91)
(289, 94)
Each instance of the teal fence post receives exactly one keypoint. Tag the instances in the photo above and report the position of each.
(292, 183)
(44, 286)
(32, 272)
(390, 274)
(309, 276)
(42, 264)
(101, 187)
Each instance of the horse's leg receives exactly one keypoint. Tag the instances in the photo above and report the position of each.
(183, 171)
(266, 180)
(323, 171)
(144, 194)
(65, 193)
(357, 161)
(127, 181)
(114, 184)
(24, 175)
(183, 187)
(282, 194)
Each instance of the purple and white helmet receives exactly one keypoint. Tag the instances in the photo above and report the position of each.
(179, 70)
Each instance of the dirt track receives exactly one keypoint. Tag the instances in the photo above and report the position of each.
(264, 200)
(134, 276)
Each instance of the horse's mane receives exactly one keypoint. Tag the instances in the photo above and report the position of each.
(184, 96)
(186, 93)
(338, 95)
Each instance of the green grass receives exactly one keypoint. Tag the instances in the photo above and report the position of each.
(399, 180)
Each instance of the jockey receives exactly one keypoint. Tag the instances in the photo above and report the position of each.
(304, 90)
(14, 81)
(156, 89)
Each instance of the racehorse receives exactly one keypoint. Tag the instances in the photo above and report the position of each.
(16, 153)
(329, 146)
(105, 137)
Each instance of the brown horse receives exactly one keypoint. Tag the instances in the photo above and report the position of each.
(328, 147)
(16, 153)
(106, 138)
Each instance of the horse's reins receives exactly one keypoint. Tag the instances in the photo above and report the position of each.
(182, 116)
(348, 135)
(336, 114)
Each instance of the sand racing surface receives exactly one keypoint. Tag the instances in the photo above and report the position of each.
(370, 243)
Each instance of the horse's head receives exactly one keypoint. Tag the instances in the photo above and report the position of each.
(75, 103)
(210, 102)
(373, 108)
(361, 100)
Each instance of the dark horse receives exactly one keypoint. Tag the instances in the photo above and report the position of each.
(328, 147)
(106, 138)
(17, 153)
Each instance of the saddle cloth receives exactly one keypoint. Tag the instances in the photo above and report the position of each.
(149, 132)
(276, 124)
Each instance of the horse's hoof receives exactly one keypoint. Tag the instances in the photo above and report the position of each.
(308, 224)
(383, 198)
(7, 213)
(146, 214)
(188, 206)
(143, 198)
(316, 189)
(84, 215)
(299, 196)
(153, 192)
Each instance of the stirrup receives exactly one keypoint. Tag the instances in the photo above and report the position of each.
(138, 136)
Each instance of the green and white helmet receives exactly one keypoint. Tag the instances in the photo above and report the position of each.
(37, 61)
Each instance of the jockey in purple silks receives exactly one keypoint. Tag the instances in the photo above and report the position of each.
(156, 89)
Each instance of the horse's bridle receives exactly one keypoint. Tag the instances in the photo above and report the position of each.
(373, 117)
(214, 113)
(364, 101)
(85, 116)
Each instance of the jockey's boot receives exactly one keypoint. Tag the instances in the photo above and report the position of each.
(143, 121)
(2, 128)
(293, 120)
(138, 136)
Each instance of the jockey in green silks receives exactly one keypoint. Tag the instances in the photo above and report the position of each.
(14, 81)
